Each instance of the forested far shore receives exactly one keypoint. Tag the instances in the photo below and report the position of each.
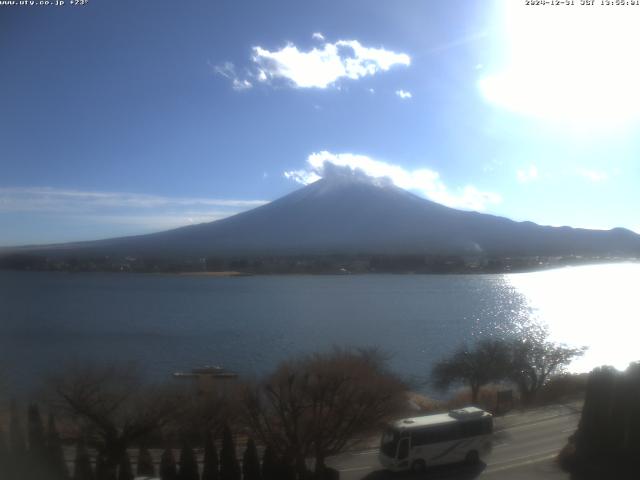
(303, 264)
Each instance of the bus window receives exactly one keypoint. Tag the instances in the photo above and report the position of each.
(389, 443)
(473, 428)
(403, 449)
(437, 434)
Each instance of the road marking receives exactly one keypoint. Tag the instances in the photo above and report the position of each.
(501, 444)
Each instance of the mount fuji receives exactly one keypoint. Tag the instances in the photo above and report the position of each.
(353, 214)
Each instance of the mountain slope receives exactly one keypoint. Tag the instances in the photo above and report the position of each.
(350, 214)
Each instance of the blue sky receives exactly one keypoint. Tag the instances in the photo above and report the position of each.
(121, 117)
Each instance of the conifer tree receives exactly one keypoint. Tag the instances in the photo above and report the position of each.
(101, 468)
(17, 447)
(4, 456)
(36, 466)
(229, 467)
(251, 462)
(16, 437)
(82, 470)
(269, 466)
(125, 472)
(188, 463)
(145, 463)
(211, 469)
(55, 453)
(35, 431)
(168, 470)
(105, 470)
(285, 469)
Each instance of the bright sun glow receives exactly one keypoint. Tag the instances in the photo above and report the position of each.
(574, 65)
(582, 308)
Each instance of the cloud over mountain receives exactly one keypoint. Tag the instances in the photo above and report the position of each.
(424, 181)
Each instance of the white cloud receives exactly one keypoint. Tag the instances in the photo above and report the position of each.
(241, 84)
(228, 70)
(45, 199)
(424, 181)
(403, 94)
(319, 67)
(318, 36)
(304, 177)
(528, 174)
(71, 215)
(593, 175)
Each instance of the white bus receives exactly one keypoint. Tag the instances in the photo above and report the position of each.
(419, 442)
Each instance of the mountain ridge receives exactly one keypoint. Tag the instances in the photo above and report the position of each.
(354, 214)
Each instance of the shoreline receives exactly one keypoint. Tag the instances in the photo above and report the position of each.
(226, 273)
(236, 273)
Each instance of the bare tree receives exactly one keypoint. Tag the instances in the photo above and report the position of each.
(112, 408)
(319, 405)
(535, 359)
(486, 362)
(206, 413)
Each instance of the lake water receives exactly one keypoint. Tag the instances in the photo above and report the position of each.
(167, 323)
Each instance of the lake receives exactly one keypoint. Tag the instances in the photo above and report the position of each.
(167, 323)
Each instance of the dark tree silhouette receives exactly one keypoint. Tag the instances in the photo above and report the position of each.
(286, 470)
(208, 411)
(82, 463)
(229, 467)
(36, 465)
(269, 464)
(250, 462)
(145, 466)
(486, 362)
(607, 442)
(115, 406)
(318, 405)
(168, 469)
(534, 359)
(210, 469)
(16, 436)
(104, 470)
(55, 453)
(17, 447)
(125, 471)
(188, 463)
(4, 456)
(35, 434)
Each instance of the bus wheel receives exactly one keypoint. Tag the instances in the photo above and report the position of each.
(472, 457)
(418, 466)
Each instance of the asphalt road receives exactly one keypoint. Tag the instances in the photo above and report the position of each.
(524, 448)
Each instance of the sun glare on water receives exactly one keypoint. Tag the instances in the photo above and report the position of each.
(593, 306)
(571, 65)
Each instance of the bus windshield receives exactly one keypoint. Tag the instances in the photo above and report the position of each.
(389, 442)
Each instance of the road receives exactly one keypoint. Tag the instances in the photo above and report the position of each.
(524, 448)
